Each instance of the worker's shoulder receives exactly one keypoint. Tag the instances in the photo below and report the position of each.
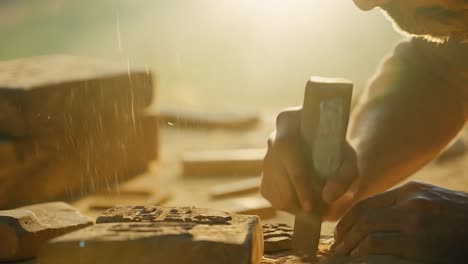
(452, 53)
(435, 63)
(440, 66)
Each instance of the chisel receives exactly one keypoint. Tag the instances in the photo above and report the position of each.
(324, 122)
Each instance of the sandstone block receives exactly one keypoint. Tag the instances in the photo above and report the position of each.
(80, 166)
(24, 230)
(151, 234)
(64, 94)
(77, 125)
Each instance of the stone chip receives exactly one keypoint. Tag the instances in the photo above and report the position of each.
(277, 237)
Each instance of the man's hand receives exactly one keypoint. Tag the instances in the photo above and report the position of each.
(288, 181)
(416, 221)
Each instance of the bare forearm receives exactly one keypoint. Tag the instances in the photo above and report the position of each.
(395, 137)
(408, 117)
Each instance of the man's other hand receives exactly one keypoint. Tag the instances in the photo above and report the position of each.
(416, 221)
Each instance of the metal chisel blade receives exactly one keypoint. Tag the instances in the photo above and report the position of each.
(306, 236)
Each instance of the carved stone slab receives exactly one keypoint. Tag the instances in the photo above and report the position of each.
(168, 235)
(24, 230)
(165, 214)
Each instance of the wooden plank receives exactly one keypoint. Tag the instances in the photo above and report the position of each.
(101, 202)
(250, 206)
(207, 120)
(223, 162)
(235, 188)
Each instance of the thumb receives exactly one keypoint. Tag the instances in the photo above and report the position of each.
(347, 173)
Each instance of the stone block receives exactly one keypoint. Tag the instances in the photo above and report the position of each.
(67, 170)
(64, 95)
(24, 230)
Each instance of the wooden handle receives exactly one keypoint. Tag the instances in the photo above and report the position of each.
(324, 123)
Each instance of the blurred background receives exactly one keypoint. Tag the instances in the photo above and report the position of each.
(212, 56)
(208, 54)
(98, 147)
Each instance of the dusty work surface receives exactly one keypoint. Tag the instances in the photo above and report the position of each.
(165, 178)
